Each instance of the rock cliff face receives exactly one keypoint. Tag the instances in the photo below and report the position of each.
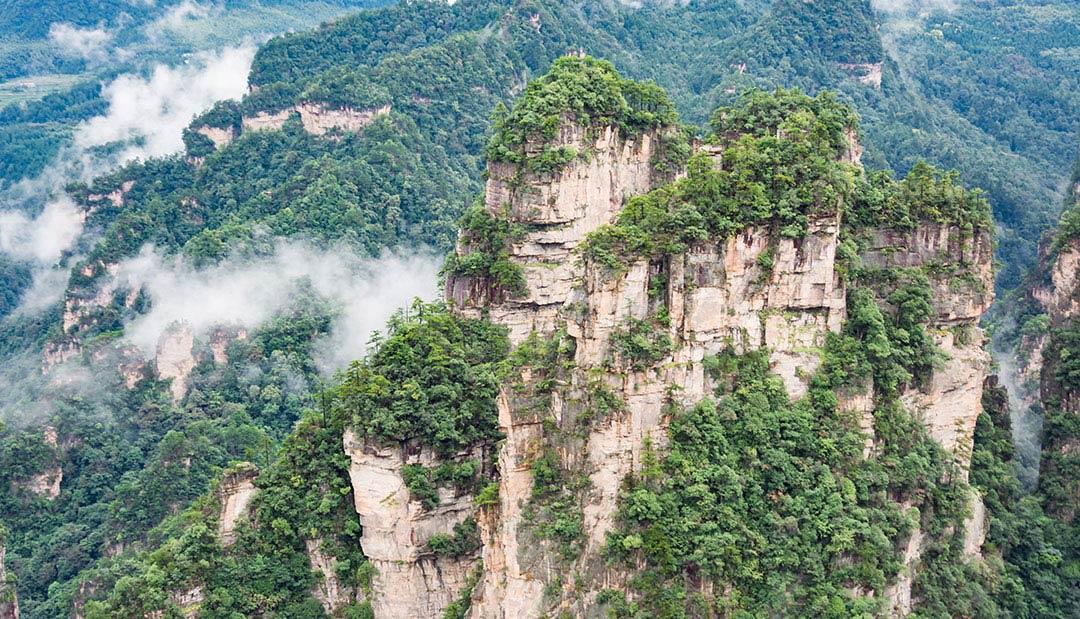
(410, 580)
(46, 482)
(1059, 297)
(317, 119)
(717, 296)
(959, 265)
(175, 358)
(234, 493)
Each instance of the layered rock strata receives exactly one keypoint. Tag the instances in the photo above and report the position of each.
(716, 296)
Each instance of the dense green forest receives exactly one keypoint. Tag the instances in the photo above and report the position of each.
(941, 96)
(133, 515)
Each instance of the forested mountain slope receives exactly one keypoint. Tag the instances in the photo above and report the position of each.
(371, 133)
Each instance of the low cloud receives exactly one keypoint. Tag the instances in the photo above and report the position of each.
(177, 18)
(248, 292)
(149, 114)
(87, 43)
(906, 7)
(42, 239)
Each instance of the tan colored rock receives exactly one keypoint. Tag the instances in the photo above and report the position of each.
(266, 121)
(175, 358)
(132, 366)
(719, 296)
(410, 580)
(975, 527)
(1062, 297)
(115, 197)
(189, 601)
(316, 118)
(898, 593)
(319, 119)
(330, 591)
(46, 483)
(220, 338)
(866, 73)
(952, 401)
(218, 135)
(235, 491)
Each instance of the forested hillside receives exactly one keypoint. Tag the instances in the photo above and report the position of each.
(373, 132)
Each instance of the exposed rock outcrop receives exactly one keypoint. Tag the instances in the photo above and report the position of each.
(1061, 295)
(317, 119)
(716, 296)
(234, 494)
(46, 482)
(218, 135)
(756, 290)
(175, 358)
(410, 580)
(866, 73)
(331, 592)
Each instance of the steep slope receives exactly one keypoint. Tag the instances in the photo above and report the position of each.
(375, 136)
(745, 377)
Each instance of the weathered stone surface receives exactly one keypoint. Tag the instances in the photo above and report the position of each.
(45, 483)
(410, 580)
(717, 296)
(898, 593)
(866, 73)
(1062, 297)
(234, 494)
(319, 119)
(975, 528)
(175, 358)
(959, 265)
(952, 401)
(329, 590)
(218, 135)
(316, 118)
(263, 121)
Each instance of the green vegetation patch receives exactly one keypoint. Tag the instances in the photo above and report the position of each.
(779, 173)
(772, 502)
(487, 240)
(926, 194)
(585, 91)
(432, 378)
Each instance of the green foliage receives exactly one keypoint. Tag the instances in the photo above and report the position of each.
(581, 90)
(431, 379)
(342, 87)
(773, 501)
(1026, 571)
(459, 608)
(423, 482)
(641, 344)
(925, 195)
(464, 542)
(777, 177)
(304, 497)
(487, 241)
(768, 499)
(488, 495)
(822, 119)
(554, 511)
(900, 350)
